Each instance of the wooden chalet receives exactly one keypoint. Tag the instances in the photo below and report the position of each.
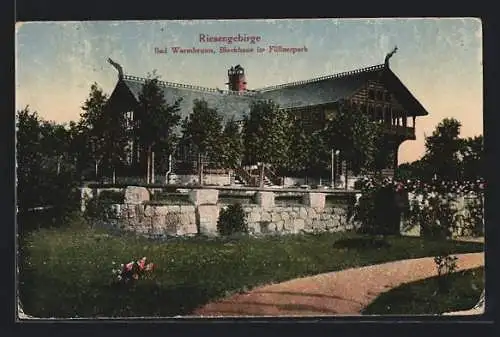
(376, 90)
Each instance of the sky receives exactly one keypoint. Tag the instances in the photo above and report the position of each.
(438, 59)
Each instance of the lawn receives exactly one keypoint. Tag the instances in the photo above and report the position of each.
(421, 297)
(67, 272)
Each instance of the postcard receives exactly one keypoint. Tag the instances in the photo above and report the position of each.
(250, 168)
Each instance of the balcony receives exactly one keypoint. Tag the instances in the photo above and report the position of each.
(402, 131)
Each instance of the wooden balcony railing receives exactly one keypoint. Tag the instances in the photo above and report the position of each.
(398, 130)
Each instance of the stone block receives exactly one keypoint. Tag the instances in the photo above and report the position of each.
(187, 224)
(204, 197)
(302, 212)
(86, 194)
(172, 221)
(254, 217)
(149, 211)
(266, 216)
(298, 225)
(187, 209)
(136, 195)
(208, 215)
(275, 217)
(158, 221)
(314, 200)
(285, 216)
(265, 199)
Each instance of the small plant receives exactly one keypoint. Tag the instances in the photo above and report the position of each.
(446, 265)
(232, 220)
(100, 207)
(133, 271)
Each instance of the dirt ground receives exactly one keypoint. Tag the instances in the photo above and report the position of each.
(345, 292)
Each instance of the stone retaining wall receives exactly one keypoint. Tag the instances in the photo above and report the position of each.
(462, 225)
(263, 217)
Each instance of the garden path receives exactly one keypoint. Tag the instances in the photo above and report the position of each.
(345, 292)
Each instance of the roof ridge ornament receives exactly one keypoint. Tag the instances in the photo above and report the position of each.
(117, 66)
(389, 55)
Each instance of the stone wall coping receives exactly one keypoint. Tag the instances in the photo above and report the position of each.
(232, 188)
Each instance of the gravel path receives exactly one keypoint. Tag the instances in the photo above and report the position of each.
(345, 292)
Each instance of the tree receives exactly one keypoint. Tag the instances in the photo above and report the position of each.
(471, 155)
(230, 146)
(88, 134)
(353, 133)
(299, 157)
(203, 129)
(447, 156)
(45, 175)
(155, 122)
(442, 149)
(266, 135)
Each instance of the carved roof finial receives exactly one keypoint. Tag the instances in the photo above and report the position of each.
(117, 67)
(389, 55)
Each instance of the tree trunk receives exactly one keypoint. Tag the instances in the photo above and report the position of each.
(332, 176)
(152, 167)
(96, 167)
(148, 169)
(346, 176)
(200, 169)
(261, 178)
(114, 175)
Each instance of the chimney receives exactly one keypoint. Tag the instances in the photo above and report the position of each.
(236, 79)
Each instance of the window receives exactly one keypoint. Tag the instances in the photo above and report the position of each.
(378, 113)
(388, 96)
(371, 112)
(379, 95)
(387, 116)
(371, 94)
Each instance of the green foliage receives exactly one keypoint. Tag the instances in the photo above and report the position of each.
(357, 137)
(204, 128)
(100, 134)
(156, 119)
(230, 150)
(99, 208)
(442, 149)
(377, 209)
(46, 175)
(471, 156)
(66, 272)
(421, 298)
(448, 157)
(232, 220)
(266, 134)
(445, 265)
(475, 212)
(435, 215)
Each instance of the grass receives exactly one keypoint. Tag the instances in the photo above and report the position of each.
(422, 297)
(67, 272)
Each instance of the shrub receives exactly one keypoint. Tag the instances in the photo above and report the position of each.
(232, 220)
(445, 265)
(435, 215)
(475, 218)
(100, 207)
(377, 209)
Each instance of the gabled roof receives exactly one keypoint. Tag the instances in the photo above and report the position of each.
(322, 90)
(316, 91)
